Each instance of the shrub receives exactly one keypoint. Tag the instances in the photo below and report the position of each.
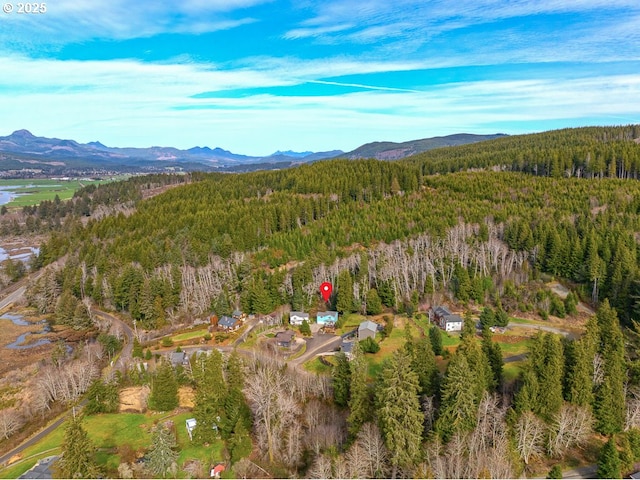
(369, 345)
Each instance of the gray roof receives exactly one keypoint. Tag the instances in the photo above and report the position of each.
(346, 347)
(299, 314)
(452, 318)
(331, 314)
(41, 469)
(285, 336)
(177, 358)
(368, 325)
(227, 322)
(237, 313)
(441, 311)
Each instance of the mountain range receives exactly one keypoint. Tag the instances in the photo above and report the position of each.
(23, 150)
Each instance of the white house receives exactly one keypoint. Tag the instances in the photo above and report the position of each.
(191, 424)
(296, 318)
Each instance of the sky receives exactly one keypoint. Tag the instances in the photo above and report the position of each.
(256, 76)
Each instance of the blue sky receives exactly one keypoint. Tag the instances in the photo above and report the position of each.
(255, 76)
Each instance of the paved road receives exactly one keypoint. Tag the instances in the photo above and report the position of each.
(316, 345)
(123, 360)
(589, 471)
(531, 326)
(13, 297)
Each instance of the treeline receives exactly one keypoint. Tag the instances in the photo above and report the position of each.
(464, 425)
(154, 263)
(590, 152)
(59, 215)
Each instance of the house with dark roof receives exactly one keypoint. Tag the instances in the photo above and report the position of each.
(367, 329)
(284, 339)
(347, 349)
(447, 321)
(228, 324)
(177, 358)
(42, 469)
(324, 318)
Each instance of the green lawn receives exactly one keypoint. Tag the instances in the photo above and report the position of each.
(316, 366)
(181, 337)
(393, 342)
(510, 371)
(109, 431)
(32, 192)
(350, 321)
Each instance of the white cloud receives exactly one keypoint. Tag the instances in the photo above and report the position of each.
(129, 103)
(68, 21)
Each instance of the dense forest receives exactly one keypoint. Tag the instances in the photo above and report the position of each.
(480, 224)
(266, 238)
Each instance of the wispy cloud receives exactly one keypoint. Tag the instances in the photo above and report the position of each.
(132, 103)
(68, 21)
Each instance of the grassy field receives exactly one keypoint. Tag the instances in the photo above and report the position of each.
(181, 337)
(32, 192)
(110, 431)
(316, 366)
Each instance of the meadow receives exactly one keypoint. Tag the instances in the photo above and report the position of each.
(34, 191)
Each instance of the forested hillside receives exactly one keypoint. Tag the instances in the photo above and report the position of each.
(222, 239)
(396, 235)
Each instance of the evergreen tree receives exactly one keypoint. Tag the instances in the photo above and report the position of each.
(423, 363)
(78, 452)
(555, 472)
(234, 371)
(609, 460)
(162, 456)
(493, 352)
(579, 378)
(458, 399)
(305, 329)
(487, 317)
(102, 398)
(359, 401)
(374, 303)
(137, 349)
(609, 404)
(570, 304)
(526, 397)
(399, 414)
(341, 375)
(239, 443)
(462, 283)
(387, 294)
(435, 337)
(550, 371)
(164, 389)
(208, 407)
(344, 302)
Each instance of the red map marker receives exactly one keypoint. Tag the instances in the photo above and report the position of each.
(325, 290)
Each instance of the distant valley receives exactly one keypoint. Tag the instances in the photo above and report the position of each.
(23, 154)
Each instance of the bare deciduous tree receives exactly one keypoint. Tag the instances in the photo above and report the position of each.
(10, 422)
(321, 467)
(529, 436)
(571, 427)
(632, 419)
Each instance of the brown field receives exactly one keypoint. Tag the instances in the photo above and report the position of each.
(134, 399)
(10, 359)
